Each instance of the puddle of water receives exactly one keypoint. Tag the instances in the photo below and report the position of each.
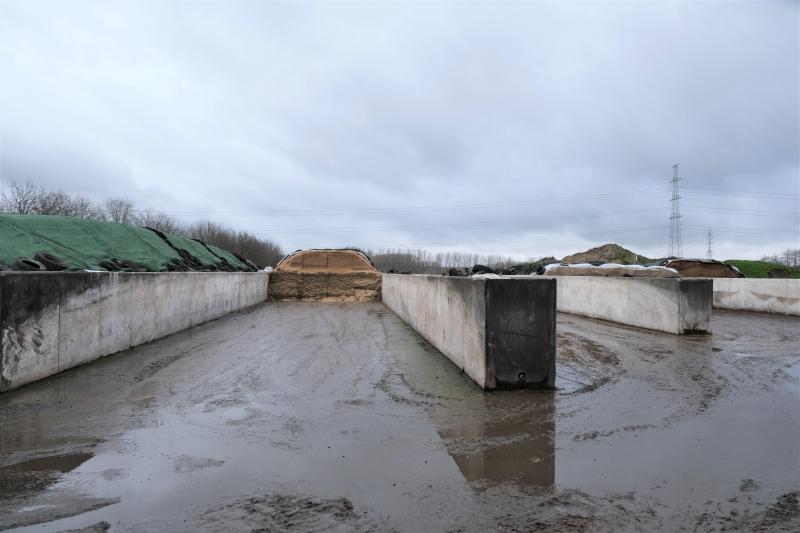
(520, 450)
(363, 425)
(696, 459)
(28, 477)
(675, 420)
(794, 372)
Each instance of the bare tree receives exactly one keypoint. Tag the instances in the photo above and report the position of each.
(425, 262)
(119, 210)
(157, 220)
(21, 198)
(259, 251)
(28, 198)
(61, 203)
(790, 257)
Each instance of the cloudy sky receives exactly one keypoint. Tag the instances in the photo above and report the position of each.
(525, 129)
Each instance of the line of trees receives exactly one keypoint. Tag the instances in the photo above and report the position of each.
(790, 257)
(419, 261)
(28, 198)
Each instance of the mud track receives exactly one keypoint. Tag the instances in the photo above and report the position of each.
(338, 417)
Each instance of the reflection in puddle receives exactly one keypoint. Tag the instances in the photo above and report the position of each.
(518, 448)
(493, 437)
(31, 476)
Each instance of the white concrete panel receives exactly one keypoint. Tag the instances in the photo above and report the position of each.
(447, 312)
(778, 296)
(75, 317)
(143, 314)
(663, 304)
(607, 300)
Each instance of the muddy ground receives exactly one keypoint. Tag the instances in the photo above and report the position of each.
(338, 417)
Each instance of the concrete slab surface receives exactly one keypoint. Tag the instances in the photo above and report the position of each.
(339, 417)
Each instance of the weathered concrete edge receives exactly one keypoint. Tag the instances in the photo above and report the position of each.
(696, 297)
(521, 333)
(501, 333)
(52, 321)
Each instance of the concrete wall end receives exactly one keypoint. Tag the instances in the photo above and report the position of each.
(500, 332)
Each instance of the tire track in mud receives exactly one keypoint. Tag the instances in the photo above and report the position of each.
(587, 363)
(274, 383)
(680, 369)
(288, 512)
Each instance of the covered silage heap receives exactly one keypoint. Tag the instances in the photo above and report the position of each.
(50, 242)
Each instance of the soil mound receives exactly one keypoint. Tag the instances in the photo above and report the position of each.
(607, 253)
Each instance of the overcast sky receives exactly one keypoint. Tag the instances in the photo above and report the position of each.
(525, 129)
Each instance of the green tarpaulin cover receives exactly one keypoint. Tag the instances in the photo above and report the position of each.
(83, 244)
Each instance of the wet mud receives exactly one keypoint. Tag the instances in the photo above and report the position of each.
(338, 417)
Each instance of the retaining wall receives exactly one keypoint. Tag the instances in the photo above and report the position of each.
(501, 332)
(52, 321)
(672, 305)
(779, 296)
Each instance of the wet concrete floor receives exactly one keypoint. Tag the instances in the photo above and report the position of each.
(339, 417)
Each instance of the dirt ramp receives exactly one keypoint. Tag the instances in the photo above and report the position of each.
(329, 275)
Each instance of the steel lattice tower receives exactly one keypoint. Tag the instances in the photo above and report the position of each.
(709, 241)
(675, 241)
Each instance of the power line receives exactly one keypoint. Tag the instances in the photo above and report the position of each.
(540, 237)
(756, 231)
(482, 223)
(350, 229)
(706, 190)
(748, 212)
(434, 207)
(546, 236)
(535, 237)
(450, 225)
(485, 205)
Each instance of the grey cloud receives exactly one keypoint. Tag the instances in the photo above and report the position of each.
(238, 110)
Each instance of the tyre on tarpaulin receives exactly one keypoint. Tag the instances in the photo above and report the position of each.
(483, 269)
(50, 261)
(27, 264)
